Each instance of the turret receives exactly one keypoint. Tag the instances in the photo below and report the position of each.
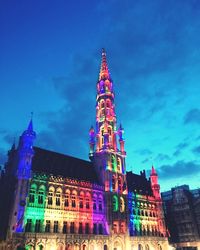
(154, 183)
(26, 152)
(24, 162)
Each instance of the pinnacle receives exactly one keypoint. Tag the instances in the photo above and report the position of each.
(104, 72)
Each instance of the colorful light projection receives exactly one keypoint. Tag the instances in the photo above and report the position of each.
(143, 215)
(77, 207)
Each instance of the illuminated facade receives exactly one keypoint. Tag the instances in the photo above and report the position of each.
(64, 203)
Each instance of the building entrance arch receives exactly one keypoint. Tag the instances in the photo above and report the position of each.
(118, 246)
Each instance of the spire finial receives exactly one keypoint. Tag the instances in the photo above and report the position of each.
(104, 72)
(153, 171)
(30, 125)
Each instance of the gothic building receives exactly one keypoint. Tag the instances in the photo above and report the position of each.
(182, 212)
(54, 201)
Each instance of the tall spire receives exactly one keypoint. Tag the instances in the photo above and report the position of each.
(153, 171)
(104, 72)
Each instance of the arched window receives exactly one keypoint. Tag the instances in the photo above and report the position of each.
(115, 203)
(140, 247)
(113, 163)
(81, 198)
(159, 247)
(80, 229)
(87, 201)
(50, 195)
(122, 205)
(113, 183)
(100, 229)
(58, 196)
(105, 247)
(67, 196)
(110, 134)
(47, 226)
(28, 226)
(32, 193)
(100, 202)
(108, 103)
(120, 184)
(147, 247)
(73, 197)
(102, 137)
(87, 228)
(102, 104)
(65, 227)
(37, 226)
(41, 194)
(119, 165)
(95, 202)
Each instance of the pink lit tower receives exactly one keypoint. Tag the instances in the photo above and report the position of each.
(107, 152)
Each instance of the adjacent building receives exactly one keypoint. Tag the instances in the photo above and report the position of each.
(182, 211)
(54, 201)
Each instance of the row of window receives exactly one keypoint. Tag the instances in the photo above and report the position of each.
(136, 232)
(146, 247)
(68, 227)
(68, 201)
(143, 213)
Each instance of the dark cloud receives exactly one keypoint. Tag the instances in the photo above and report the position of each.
(179, 148)
(68, 128)
(196, 150)
(179, 169)
(192, 116)
(162, 157)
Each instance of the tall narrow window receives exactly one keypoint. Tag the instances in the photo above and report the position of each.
(113, 183)
(115, 203)
(64, 227)
(100, 229)
(50, 198)
(113, 162)
(81, 202)
(40, 197)
(72, 228)
(87, 228)
(58, 199)
(55, 227)
(37, 226)
(47, 227)
(87, 201)
(32, 194)
(94, 228)
(94, 204)
(122, 205)
(120, 184)
(28, 225)
(100, 204)
(119, 164)
(66, 203)
(80, 230)
(73, 197)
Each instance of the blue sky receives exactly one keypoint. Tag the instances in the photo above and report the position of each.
(49, 64)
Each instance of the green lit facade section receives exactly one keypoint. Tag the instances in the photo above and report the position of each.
(34, 217)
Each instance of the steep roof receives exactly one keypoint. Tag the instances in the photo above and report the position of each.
(138, 183)
(49, 162)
